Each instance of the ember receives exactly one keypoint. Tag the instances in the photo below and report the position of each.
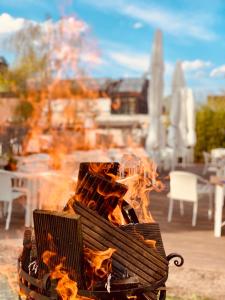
(96, 248)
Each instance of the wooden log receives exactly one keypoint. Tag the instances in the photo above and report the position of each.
(99, 194)
(132, 254)
(88, 186)
(106, 169)
(60, 233)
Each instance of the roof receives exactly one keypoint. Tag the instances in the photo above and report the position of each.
(129, 85)
(105, 86)
(3, 61)
(92, 84)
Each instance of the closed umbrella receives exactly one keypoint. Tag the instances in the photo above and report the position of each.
(191, 134)
(155, 97)
(177, 131)
(190, 103)
(181, 134)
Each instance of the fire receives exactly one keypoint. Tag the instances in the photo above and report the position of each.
(66, 287)
(47, 255)
(116, 216)
(100, 265)
(140, 175)
(150, 243)
(103, 169)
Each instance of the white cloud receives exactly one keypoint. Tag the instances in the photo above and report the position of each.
(218, 72)
(133, 61)
(195, 65)
(8, 24)
(177, 23)
(137, 25)
(130, 60)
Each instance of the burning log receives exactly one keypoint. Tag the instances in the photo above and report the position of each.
(60, 234)
(98, 193)
(90, 178)
(132, 254)
(116, 263)
(108, 170)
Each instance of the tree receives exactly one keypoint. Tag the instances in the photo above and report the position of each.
(210, 130)
(46, 53)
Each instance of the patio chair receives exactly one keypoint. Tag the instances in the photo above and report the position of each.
(210, 165)
(8, 193)
(186, 186)
(217, 153)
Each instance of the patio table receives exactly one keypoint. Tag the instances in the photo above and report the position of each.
(33, 182)
(219, 203)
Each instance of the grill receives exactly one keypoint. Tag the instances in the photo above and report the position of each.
(139, 270)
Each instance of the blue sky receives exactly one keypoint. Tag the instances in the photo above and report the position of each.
(193, 30)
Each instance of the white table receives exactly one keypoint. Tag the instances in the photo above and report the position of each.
(219, 204)
(33, 183)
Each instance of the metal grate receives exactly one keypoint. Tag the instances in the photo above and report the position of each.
(60, 233)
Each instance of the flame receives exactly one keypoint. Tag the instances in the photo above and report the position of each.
(99, 262)
(150, 243)
(116, 216)
(66, 287)
(140, 175)
(103, 169)
(47, 256)
(116, 104)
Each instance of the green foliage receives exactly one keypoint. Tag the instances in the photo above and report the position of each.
(210, 130)
(23, 111)
(31, 57)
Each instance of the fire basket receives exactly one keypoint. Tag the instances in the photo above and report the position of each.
(137, 267)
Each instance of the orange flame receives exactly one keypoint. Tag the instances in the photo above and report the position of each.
(66, 287)
(100, 264)
(116, 216)
(102, 169)
(141, 178)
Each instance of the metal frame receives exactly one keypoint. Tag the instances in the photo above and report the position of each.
(25, 280)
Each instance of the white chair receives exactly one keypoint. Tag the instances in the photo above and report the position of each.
(210, 165)
(8, 193)
(185, 186)
(217, 153)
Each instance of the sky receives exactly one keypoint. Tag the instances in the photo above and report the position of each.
(193, 31)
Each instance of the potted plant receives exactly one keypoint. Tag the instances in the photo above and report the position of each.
(11, 164)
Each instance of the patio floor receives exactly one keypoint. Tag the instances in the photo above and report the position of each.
(203, 273)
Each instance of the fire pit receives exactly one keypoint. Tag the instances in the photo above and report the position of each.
(84, 253)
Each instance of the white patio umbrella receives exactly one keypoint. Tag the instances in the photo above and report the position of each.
(190, 103)
(191, 134)
(177, 131)
(177, 126)
(155, 97)
(181, 135)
